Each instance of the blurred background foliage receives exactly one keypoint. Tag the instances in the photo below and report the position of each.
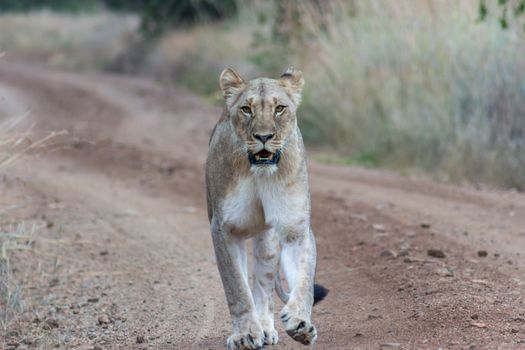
(156, 15)
(434, 86)
(56, 5)
(507, 8)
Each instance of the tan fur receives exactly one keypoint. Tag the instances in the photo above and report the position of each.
(269, 203)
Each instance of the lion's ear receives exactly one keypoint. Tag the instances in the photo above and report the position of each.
(292, 80)
(231, 84)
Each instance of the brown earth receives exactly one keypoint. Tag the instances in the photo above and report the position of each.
(122, 257)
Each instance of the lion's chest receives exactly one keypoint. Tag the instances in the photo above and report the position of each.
(257, 204)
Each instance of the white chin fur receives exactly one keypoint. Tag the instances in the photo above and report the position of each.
(263, 170)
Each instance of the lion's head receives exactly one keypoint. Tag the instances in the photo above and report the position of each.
(262, 112)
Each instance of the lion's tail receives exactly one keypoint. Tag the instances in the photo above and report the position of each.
(283, 295)
(320, 292)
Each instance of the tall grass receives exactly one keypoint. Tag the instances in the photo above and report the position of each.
(17, 140)
(85, 40)
(405, 84)
(421, 84)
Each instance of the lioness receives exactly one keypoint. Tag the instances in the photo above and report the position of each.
(257, 187)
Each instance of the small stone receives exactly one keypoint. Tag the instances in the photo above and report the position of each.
(513, 330)
(379, 227)
(357, 335)
(92, 300)
(97, 347)
(436, 253)
(103, 319)
(482, 253)
(359, 217)
(444, 271)
(403, 252)
(479, 324)
(483, 282)
(425, 225)
(387, 254)
(374, 317)
(474, 317)
(54, 282)
(51, 323)
(104, 252)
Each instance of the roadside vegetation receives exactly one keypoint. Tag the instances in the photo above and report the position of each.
(71, 40)
(421, 86)
(19, 235)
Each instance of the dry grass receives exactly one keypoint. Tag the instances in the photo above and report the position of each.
(15, 143)
(422, 86)
(16, 140)
(75, 41)
(12, 238)
(408, 84)
(27, 265)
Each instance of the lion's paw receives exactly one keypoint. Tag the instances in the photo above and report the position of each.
(299, 329)
(246, 341)
(270, 336)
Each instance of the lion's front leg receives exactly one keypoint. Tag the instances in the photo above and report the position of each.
(231, 261)
(266, 250)
(298, 260)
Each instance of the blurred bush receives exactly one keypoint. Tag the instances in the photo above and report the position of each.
(159, 15)
(55, 5)
(156, 15)
(75, 41)
(507, 8)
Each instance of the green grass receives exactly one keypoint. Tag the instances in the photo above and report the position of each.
(363, 160)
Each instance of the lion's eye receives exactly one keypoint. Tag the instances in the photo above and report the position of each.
(279, 109)
(246, 110)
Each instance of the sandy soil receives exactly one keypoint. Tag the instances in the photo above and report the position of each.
(122, 257)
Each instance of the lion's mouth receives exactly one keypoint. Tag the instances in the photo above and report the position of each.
(264, 157)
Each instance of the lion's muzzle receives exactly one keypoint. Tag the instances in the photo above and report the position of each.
(264, 157)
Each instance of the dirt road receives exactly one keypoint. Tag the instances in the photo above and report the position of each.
(120, 211)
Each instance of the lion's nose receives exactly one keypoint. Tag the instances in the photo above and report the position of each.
(263, 138)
